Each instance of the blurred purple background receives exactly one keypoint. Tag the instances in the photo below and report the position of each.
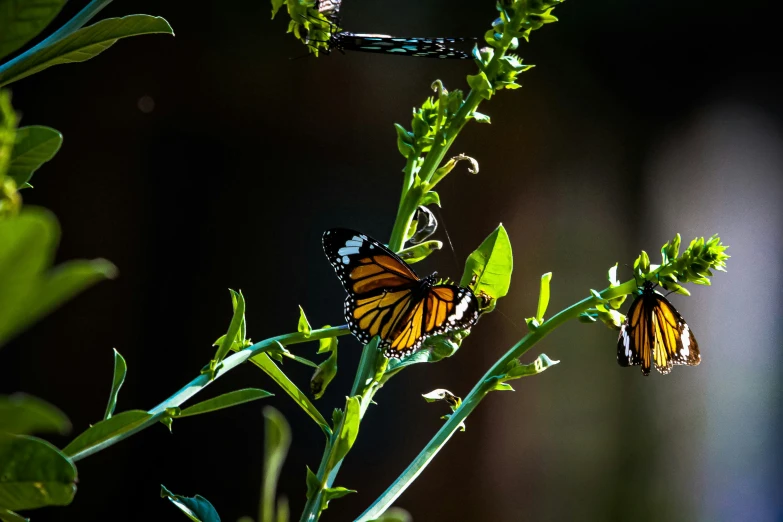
(212, 160)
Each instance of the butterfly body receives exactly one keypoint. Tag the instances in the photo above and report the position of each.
(654, 333)
(386, 298)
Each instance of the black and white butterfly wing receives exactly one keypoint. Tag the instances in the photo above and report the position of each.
(403, 46)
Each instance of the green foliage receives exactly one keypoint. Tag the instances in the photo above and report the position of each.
(270, 368)
(10, 201)
(307, 24)
(347, 432)
(35, 145)
(516, 370)
(82, 45)
(6, 515)
(22, 20)
(23, 414)
(420, 251)
(195, 508)
(120, 369)
(106, 432)
(325, 372)
(29, 288)
(235, 336)
(543, 303)
(488, 268)
(226, 400)
(277, 440)
(304, 325)
(34, 474)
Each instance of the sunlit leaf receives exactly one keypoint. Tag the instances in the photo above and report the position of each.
(84, 44)
(102, 433)
(35, 145)
(224, 401)
(33, 474)
(277, 440)
(22, 20)
(23, 414)
(29, 288)
(304, 324)
(349, 430)
(9, 516)
(488, 268)
(120, 369)
(195, 508)
(270, 368)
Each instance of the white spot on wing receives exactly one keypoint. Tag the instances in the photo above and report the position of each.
(347, 251)
(346, 260)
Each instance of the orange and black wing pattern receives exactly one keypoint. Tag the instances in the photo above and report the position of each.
(654, 333)
(440, 309)
(386, 298)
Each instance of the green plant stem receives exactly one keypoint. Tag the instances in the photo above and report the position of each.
(203, 380)
(410, 200)
(365, 385)
(479, 391)
(70, 27)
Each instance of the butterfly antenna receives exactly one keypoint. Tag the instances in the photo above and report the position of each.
(448, 238)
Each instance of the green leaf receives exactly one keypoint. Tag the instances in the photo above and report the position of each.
(430, 198)
(480, 84)
(481, 118)
(418, 252)
(304, 325)
(333, 493)
(488, 268)
(517, 370)
(313, 484)
(33, 474)
(324, 374)
(277, 440)
(195, 508)
(9, 516)
(29, 288)
(22, 20)
(84, 44)
(270, 368)
(349, 429)
(35, 145)
(120, 369)
(612, 276)
(118, 426)
(22, 414)
(226, 400)
(543, 297)
(234, 328)
(327, 344)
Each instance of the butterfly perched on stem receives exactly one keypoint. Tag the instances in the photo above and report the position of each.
(435, 47)
(655, 333)
(386, 298)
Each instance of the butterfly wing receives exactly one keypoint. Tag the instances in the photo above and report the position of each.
(655, 333)
(441, 309)
(364, 266)
(673, 340)
(633, 344)
(380, 285)
(415, 46)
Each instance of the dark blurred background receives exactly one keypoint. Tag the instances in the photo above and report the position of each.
(213, 160)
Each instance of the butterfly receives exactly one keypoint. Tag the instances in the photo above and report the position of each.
(655, 333)
(384, 43)
(386, 298)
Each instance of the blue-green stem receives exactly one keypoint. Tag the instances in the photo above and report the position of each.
(203, 380)
(365, 386)
(70, 27)
(479, 391)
